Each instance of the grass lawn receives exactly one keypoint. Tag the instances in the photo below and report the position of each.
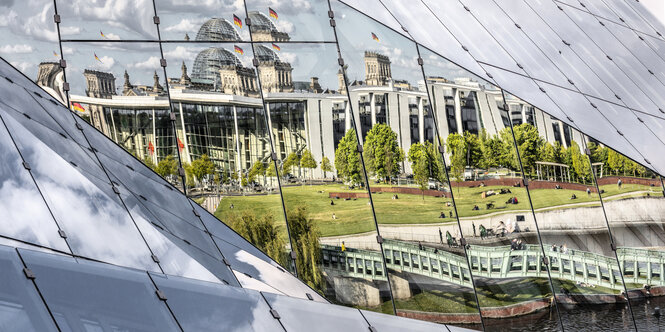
(355, 216)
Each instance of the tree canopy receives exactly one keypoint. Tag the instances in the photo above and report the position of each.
(347, 158)
(382, 152)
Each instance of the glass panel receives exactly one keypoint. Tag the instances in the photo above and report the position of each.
(516, 43)
(633, 200)
(200, 306)
(396, 324)
(566, 59)
(638, 17)
(634, 69)
(503, 247)
(434, 38)
(301, 315)
(63, 183)
(195, 21)
(613, 72)
(277, 21)
(411, 193)
(321, 173)
(107, 20)
(23, 213)
(88, 296)
(29, 42)
(21, 309)
(570, 218)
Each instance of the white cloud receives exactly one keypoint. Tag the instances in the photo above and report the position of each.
(181, 53)
(284, 26)
(111, 36)
(65, 31)
(150, 63)
(204, 7)
(67, 50)
(186, 25)
(16, 49)
(106, 64)
(132, 15)
(23, 66)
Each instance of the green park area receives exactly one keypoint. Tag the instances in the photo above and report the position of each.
(355, 216)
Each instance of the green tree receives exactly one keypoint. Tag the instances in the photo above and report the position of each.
(474, 152)
(326, 166)
(189, 175)
(308, 162)
(425, 164)
(529, 144)
(581, 166)
(347, 158)
(271, 172)
(615, 161)
(258, 169)
(382, 152)
(305, 241)
(548, 153)
(261, 232)
(201, 167)
(167, 166)
(489, 147)
(291, 160)
(457, 150)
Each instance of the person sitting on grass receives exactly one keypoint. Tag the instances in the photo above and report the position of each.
(334, 216)
(475, 208)
(573, 196)
(331, 202)
(442, 215)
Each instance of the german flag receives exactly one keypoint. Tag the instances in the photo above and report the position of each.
(276, 47)
(97, 58)
(78, 107)
(180, 145)
(55, 54)
(375, 37)
(238, 49)
(237, 21)
(101, 33)
(273, 13)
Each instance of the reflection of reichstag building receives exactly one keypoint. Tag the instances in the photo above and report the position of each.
(219, 113)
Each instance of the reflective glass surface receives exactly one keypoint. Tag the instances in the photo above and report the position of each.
(21, 309)
(100, 222)
(107, 20)
(305, 20)
(217, 21)
(571, 220)
(23, 215)
(200, 306)
(302, 315)
(86, 296)
(632, 197)
(29, 42)
(394, 324)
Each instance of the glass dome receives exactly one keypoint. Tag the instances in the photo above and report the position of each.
(209, 61)
(261, 22)
(217, 29)
(265, 54)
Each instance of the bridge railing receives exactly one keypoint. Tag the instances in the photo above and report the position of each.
(640, 266)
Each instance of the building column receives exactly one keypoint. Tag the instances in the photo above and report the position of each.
(458, 111)
(238, 152)
(421, 120)
(372, 106)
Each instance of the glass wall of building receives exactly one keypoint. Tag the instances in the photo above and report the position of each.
(426, 264)
(322, 175)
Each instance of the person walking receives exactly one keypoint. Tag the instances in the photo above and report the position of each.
(474, 228)
(619, 183)
(440, 236)
(343, 247)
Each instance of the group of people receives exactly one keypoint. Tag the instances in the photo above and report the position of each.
(562, 249)
(395, 196)
(516, 244)
(443, 214)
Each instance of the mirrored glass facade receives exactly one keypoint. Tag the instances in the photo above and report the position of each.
(483, 165)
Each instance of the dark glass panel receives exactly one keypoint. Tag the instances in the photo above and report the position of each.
(21, 309)
(201, 306)
(87, 296)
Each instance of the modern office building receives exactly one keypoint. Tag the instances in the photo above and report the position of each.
(321, 165)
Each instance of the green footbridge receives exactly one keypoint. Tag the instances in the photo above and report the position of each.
(640, 266)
